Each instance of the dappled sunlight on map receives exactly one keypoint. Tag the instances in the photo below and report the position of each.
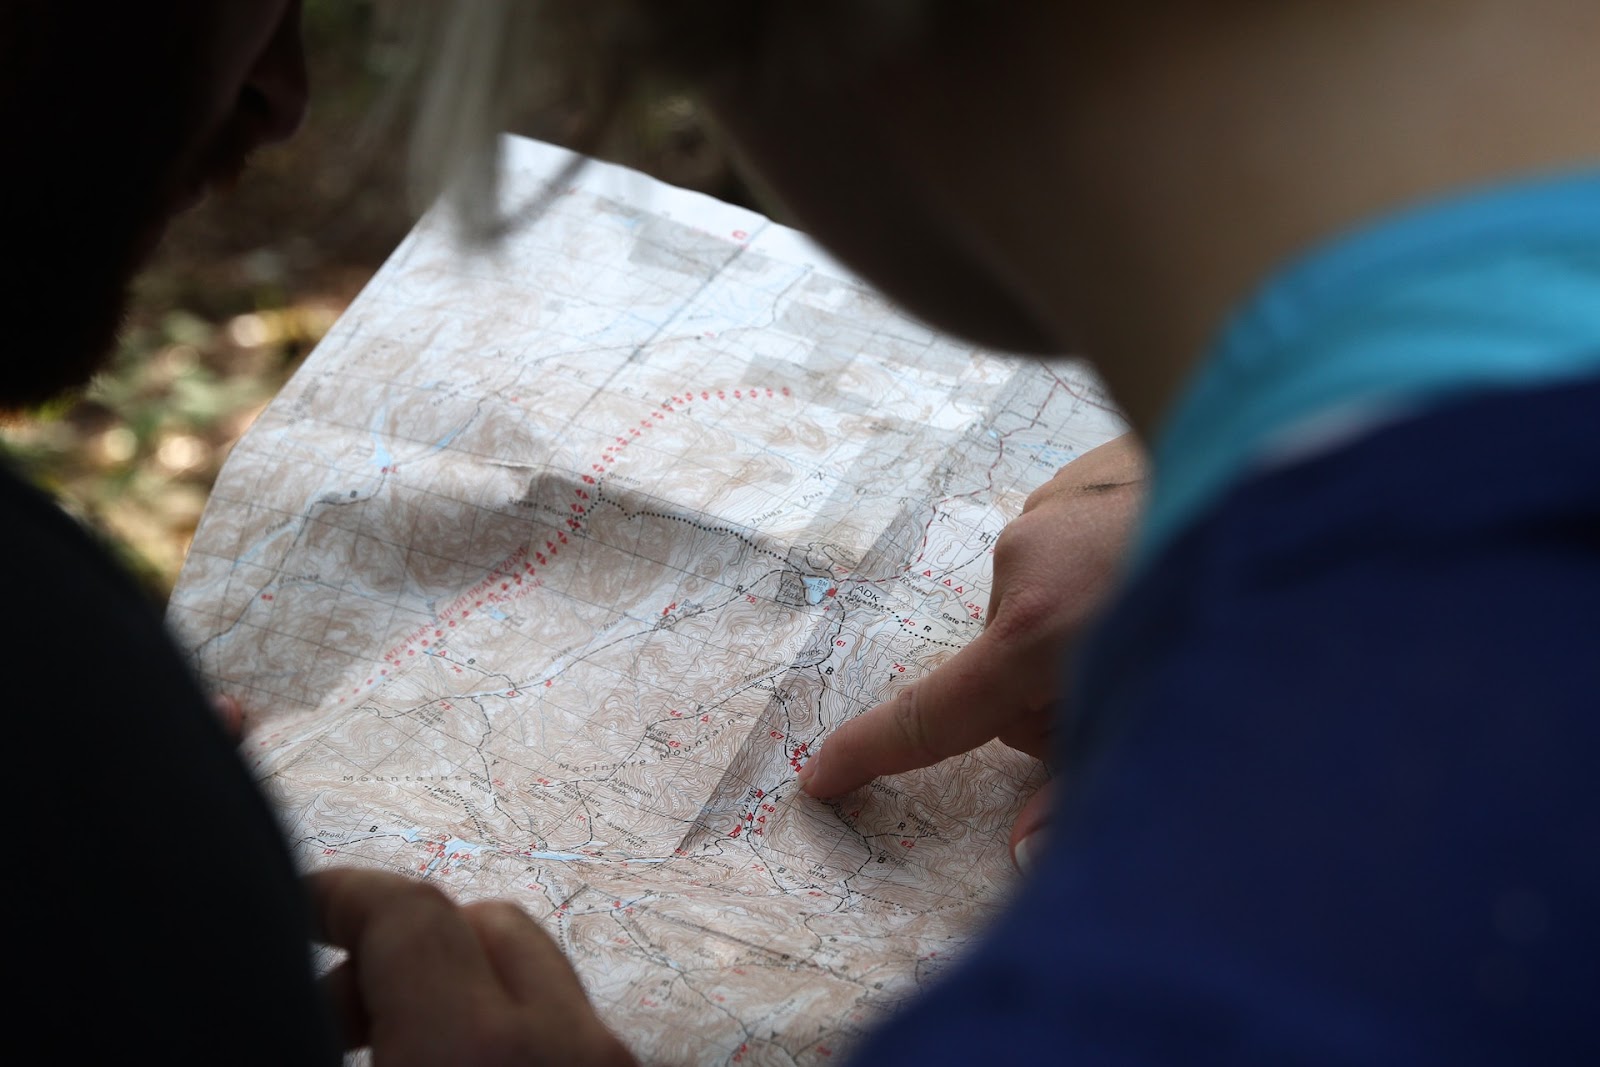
(546, 572)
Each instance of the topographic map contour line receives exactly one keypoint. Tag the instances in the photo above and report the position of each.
(550, 566)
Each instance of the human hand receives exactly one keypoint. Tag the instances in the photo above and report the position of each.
(230, 715)
(430, 982)
(1053, 566)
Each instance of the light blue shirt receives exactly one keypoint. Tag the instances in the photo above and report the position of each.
(1490, 289)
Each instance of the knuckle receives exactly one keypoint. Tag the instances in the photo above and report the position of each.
(1015, 539)
(426, 894)
(423, 901)
(1028, 618)
(496, 913)
(1014, 531)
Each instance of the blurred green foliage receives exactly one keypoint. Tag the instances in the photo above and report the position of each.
(241, 289)
(247, 283)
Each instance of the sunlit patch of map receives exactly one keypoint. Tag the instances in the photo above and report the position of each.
(549, 568)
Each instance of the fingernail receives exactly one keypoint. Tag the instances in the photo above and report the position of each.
(803, 775)
(1025, 853)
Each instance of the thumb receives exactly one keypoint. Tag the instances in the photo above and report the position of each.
(974, 696)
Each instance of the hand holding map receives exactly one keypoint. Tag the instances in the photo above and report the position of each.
(426, 981)
(551, 566)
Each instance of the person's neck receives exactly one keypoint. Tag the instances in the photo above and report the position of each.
(1212, 152)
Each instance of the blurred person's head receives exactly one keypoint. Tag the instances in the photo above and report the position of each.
(810, 97)
(1066, 176)
(117, 117)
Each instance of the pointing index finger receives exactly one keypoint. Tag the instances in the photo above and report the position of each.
(966, 701)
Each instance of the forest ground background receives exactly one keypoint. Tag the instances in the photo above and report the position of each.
(244, 286)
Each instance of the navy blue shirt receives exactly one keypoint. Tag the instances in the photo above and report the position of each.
(1333, 791)
(1329, 786)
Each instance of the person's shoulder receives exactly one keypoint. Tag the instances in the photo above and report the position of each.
(41, 544)
(1473, 525)
(1461, 470)
(71, 602)
(135, 779)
